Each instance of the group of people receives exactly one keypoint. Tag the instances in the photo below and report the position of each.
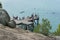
(32, 17)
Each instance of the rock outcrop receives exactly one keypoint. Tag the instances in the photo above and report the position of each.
(7, 33)
(5, 18)
(12, 24)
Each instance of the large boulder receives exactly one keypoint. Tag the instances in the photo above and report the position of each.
(4, 17)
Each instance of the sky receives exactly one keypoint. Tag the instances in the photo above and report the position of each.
(43, 7)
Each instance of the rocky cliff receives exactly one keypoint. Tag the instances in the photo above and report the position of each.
(7, 33)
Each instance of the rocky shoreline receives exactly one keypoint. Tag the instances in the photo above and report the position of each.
(7, 33)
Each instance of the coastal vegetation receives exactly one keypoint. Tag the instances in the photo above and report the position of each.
(43, 27)
(57, 32)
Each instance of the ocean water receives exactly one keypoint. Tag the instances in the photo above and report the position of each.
(53, 17)
(45, 9)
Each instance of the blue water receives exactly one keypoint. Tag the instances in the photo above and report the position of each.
(44, 9)
(54, 18)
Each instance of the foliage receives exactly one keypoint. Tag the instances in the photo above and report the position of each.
(37, 29)
(57, 32)
(45, 27)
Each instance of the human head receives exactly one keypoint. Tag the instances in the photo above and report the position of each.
(0, 5)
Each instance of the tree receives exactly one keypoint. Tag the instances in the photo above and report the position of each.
(37, 28)
(45, 27)
(57, 32)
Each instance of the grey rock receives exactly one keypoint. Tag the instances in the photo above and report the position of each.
(5, 18)
(20, 34)
(57, 37)
(12, 24)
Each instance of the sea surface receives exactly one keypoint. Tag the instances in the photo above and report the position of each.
(53, 17)
(49, 9)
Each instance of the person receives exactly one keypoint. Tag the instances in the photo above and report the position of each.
(15, 17)
(0, 5)
(37, 17)
(32, 16)
(19, 18)
(23, 18)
